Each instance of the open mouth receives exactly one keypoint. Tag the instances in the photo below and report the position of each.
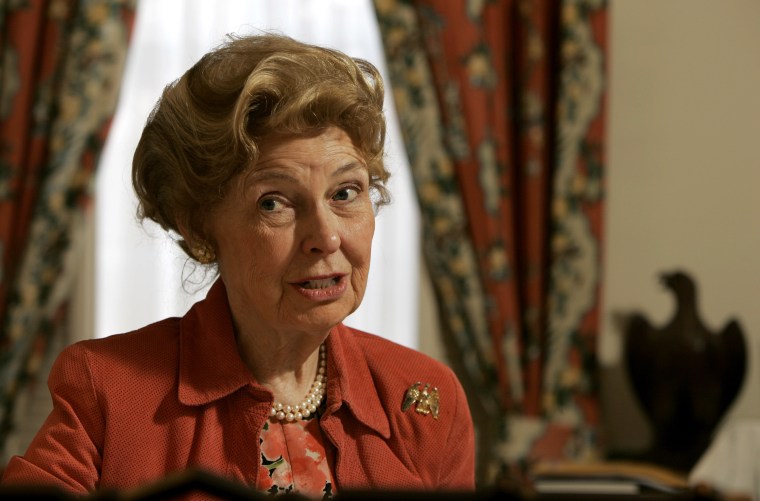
(322, 283)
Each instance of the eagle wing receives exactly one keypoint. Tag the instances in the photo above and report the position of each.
(733, 358)
(640, 340)
(412, 395)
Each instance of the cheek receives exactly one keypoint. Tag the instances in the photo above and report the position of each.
(254, 255)
(270, 254)
(362, 240)
(361, 259)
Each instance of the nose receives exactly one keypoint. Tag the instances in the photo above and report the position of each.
(321, 232)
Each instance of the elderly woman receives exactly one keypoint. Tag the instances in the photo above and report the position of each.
(267, 158)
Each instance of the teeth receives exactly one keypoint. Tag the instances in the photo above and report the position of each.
(319, 284)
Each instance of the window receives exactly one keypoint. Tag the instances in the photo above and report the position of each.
(140, 272)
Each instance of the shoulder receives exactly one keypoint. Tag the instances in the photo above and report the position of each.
(394, 369)
(151, 340)
(120, 356)
(395, 361)
(101, 380)
(393, 356)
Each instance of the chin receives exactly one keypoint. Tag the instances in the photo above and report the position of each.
(325, 320)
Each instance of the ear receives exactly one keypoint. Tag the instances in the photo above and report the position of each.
(186, 234)
(188, 241)
(196, 246)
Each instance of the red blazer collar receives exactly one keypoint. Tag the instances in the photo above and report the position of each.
(211, 368)
(350, 381)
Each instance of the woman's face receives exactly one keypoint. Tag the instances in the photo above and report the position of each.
(293, 235)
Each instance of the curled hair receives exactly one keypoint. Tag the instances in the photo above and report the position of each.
(207, 126)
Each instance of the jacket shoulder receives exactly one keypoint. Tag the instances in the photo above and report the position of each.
(395, 360)
(140, 342)
(123, 358)
(96, 386)
(395, 369)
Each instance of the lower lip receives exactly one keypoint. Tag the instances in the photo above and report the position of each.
(322, 295)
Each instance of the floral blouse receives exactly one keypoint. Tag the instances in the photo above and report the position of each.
(294, 458)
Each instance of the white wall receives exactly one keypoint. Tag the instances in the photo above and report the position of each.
(683, 175)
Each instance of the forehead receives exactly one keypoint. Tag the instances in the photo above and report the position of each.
(330, 149)
(330, 139)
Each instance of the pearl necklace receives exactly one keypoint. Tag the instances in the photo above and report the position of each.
(311, 402)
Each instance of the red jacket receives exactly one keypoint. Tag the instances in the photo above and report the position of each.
(131, 408)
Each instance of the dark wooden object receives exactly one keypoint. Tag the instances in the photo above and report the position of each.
(684, 376)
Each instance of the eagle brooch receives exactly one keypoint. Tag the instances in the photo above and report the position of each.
(424, 398)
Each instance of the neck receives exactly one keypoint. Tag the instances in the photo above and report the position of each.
(686, 300)
(286, 364)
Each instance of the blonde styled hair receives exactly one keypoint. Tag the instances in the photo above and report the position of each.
(207, 126)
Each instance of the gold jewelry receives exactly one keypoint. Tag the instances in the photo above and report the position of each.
(204, 254)
(313, 399)
(426, 400)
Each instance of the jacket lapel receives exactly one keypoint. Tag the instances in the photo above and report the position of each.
(210, 366)
(350, 382)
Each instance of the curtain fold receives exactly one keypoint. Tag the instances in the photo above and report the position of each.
(61, 66)
(501, 105)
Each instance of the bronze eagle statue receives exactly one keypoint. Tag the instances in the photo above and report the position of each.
(684, 375)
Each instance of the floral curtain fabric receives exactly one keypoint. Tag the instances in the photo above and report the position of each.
(501, 104)
(60, 70)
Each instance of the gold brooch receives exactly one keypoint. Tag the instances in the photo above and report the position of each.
(425, 398)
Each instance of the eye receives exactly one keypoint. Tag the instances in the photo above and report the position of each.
(346, 194)
(270, 204)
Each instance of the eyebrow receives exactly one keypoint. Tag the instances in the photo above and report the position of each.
(349, 167)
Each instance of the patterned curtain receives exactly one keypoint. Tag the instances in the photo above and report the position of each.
(501, 104)
(60, 72)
